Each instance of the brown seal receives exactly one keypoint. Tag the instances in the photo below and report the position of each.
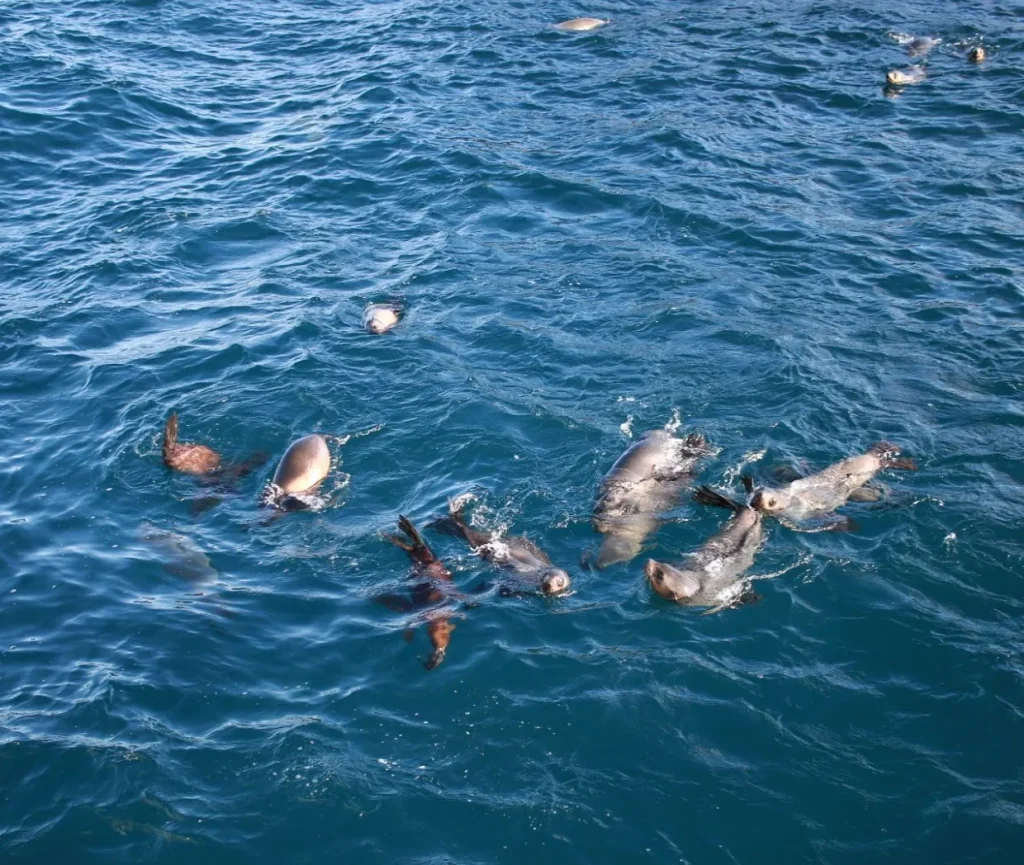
(186, 457)
(432, 591)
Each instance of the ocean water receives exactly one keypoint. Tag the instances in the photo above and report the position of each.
(704, 215)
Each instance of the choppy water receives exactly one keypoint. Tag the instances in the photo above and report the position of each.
(706, 211)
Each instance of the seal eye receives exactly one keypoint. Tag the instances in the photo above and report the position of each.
(771, 503)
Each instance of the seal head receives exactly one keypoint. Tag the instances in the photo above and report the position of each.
(901, 77)
(379, 318)
(671, 583)
(769, 501)
(976, 54)
(555, 581)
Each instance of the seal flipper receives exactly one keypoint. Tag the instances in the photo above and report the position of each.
(435, 659)
(749, 597)
(170, 437)
(445, 526)
(237, 471)
(889, 455)
(786, 474)
(707, 496)
(395, 603)
(866, 494)
(416, 547)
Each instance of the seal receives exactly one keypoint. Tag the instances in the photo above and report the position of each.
(976, 54)
(516, 554)
(381, 317)
(580, 25)
(810, 501)
(302, 468)
(179, 554)
(204, 462)
(712, 576)
(644, 483)
(434, 589)
(186, 457)
(902, 77)
(921, 45)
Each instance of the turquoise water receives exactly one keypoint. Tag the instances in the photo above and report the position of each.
(702, 213)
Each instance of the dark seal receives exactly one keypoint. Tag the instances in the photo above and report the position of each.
(433, 588)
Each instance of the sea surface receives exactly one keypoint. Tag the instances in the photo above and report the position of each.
(706, 216)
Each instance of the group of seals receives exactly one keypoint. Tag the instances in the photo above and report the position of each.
(921, 46)
(645, 483)
(648, 478)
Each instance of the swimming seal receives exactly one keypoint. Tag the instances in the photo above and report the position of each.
(901, 77)
(712, 576)
(921, 45)
(381, 317)
(578, 25)
(517, 554)
(302, 468)
(186, 457)
(976, 54)
(810, 501)
(644, 483)
(204, 462)
(425, 594)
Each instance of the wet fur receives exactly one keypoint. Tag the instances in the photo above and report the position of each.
(423, 594)
(185, 457)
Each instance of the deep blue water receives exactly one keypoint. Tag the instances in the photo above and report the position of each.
(704, 212)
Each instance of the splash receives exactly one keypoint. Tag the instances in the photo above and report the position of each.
(626, 427)
(675, 422)
(735, 472)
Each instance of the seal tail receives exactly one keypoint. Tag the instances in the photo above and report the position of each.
(707, 496)
(170, 437)
(888, 455)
